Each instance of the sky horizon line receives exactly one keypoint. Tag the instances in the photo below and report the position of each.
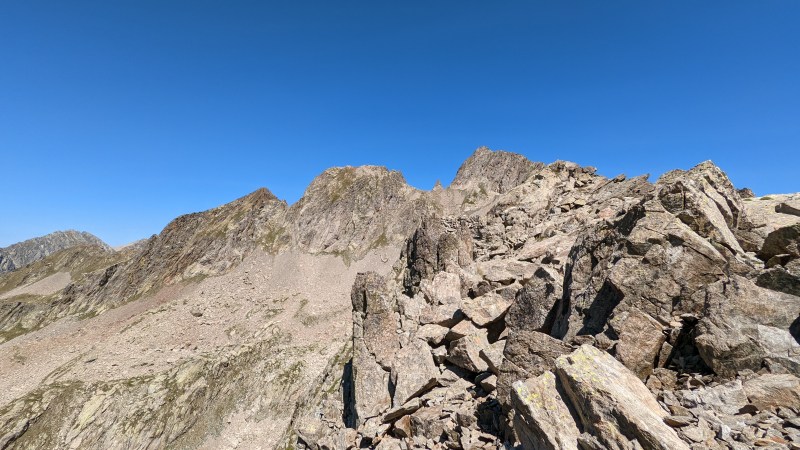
(651, 177)
(118, 116)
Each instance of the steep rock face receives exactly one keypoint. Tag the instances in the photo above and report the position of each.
(23, 253)
(191, 246)
(495, 171)
(348, 210)
(198, 245)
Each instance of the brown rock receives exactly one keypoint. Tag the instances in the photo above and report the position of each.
(485, 309)
(527, 354)
(773, 390)
(461, 329)
(402, 427)
(744, 325)
(413, 371)
(640, 340)
(533, 307)
(445, 288)
(465, 352)
(493, 355)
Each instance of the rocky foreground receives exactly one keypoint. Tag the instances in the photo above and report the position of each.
(526, 305)
(581, 312)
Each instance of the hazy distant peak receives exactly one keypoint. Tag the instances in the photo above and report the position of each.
(26, 252)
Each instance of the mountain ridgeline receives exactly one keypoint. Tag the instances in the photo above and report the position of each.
(23, 253)
(529, 305)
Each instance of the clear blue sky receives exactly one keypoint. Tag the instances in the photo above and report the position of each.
(117, 116)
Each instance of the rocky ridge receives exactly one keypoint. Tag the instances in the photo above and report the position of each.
(94, 339)
(488, 314)
(21, 254)
(580, 312)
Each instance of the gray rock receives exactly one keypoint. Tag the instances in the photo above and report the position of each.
(613, 404)
(485, 309)
(461, 329)
(496, 171)
(432, 333)
(427, 422)
(640, 341)
(26, 252)
(779, 279)
(465, 352)
(744, 325)
(489, 384)
(543, 420)
(679, 421)
(792, 208)
(444, 315)
(493, 355)
(533, 307)
(445, 288)
(728, 398)
(527, 354)
(413, 371)
(704, 199)
(375, 343)
(402, 410)
(783, 241)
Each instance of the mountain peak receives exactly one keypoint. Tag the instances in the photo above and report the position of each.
(495, 170)
(21, 254)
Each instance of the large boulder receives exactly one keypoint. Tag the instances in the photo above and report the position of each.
(445, 288)
(640, 341)
(704, 199)
(543, 421)
(744, 325)
(375, 343)
(773, 390)
(783, 241)
(728, 398)
(527, 354)
(466, 352)
(613, 404)
(413, 371)
(486, 309)
(533, 307)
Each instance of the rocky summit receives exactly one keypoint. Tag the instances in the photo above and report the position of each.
(527, 305)
(23, 253)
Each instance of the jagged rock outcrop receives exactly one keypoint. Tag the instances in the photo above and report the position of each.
(350, 210)
(191, 246)
(27, 294)
(494, 171)
(21, 254)
(640, 298)
(532, 305)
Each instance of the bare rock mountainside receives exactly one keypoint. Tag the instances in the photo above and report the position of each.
(23, 253)
(527, 305)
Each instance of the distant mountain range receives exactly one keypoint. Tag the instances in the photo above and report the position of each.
(26, 252)
(525, 306)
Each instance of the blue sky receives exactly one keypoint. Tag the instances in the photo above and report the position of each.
(116, 117)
